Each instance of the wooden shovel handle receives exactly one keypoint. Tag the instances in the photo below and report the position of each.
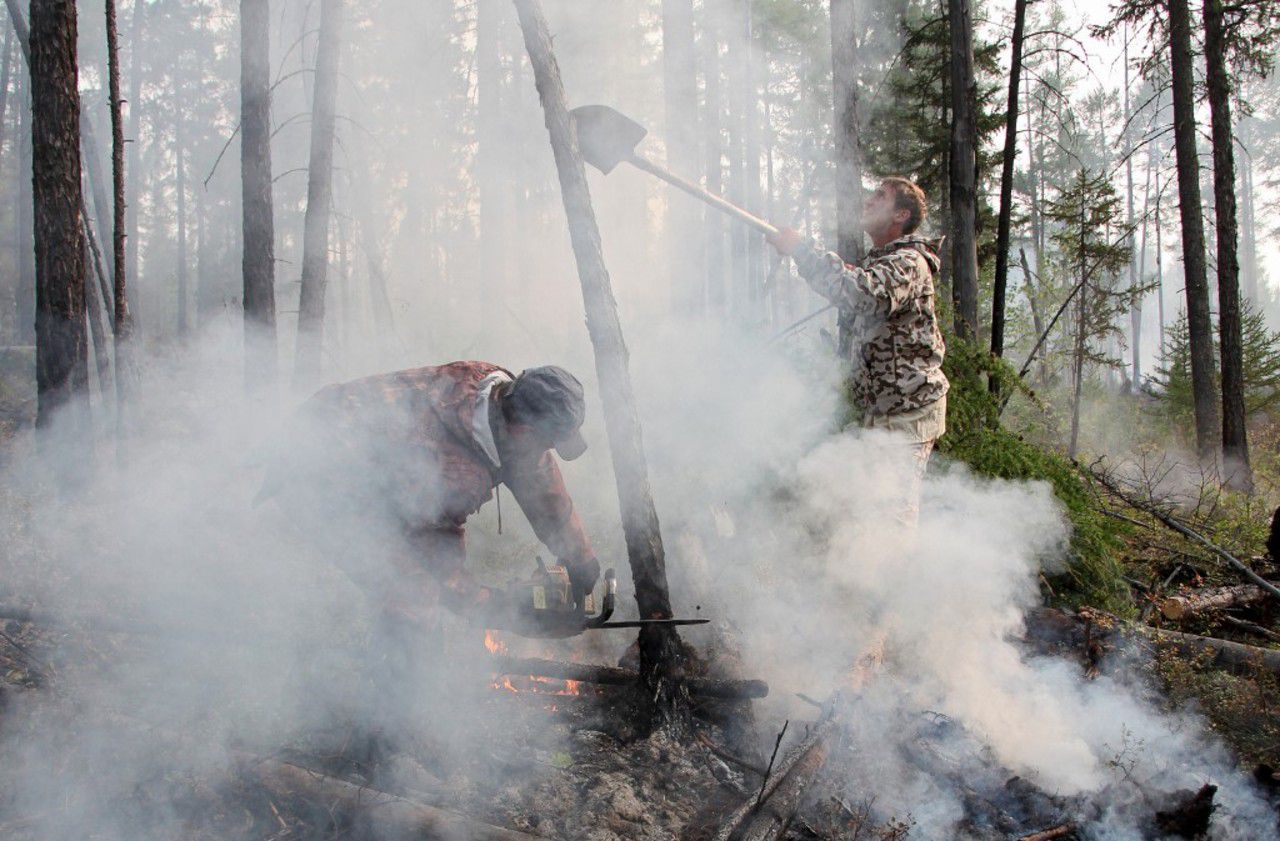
(699, 193)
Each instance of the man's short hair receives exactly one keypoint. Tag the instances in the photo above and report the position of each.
(907, 196)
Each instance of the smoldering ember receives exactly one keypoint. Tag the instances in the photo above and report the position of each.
(623, 420)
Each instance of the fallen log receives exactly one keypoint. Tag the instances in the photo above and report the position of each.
(1197, 602)
(1252, 628)
(1060, 831)
(1221, 653)
(788, 783)
(731, 690)
(386, 814)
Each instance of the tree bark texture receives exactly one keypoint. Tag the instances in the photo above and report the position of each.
(848, 170)
(1005, 222)
(61, 346)
(315, 236)
(1199, 322)
(659, 647)
(1235, 443)
(680, 105)
(963, 171)
(258, 259)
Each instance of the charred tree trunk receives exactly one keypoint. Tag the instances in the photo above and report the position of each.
(122, 323)
(1005, 222)
(1235, 443)
(258, 259)
(315, 238)
(963, 171)
(1199, 322)
(680, 101)
(660, 648)
(844, 76)
(61, 347)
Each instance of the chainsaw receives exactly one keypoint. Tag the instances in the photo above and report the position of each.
(546, 604)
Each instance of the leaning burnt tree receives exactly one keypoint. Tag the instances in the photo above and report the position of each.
(62, 377)
(844, 77)
(258, 259)
(315, 234)
(1235, 444)
(1199, 322)
(963, 171)
(660, 648)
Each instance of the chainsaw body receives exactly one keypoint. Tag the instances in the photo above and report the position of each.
(548, 603)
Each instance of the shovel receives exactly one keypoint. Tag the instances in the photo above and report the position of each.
(607, 138)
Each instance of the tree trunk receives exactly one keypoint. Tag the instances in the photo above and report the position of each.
(493, 134)
(25, 291)
(963, 171)
(4, 79)
(1135, 310)
(680, 102)
(122, 323)
(736, 64)
(315, 238)
(713, 294)
(180, 188)
(258, 260)
(1081, 337)
(61, 346)
(752, 196)
(1249, 267)
(1199, 322)
(132, 240)
(1235, 443)
(96, 315)
(97, 185)
(1159, 263)
(848, 170)
(1005, 222)
(659, 647)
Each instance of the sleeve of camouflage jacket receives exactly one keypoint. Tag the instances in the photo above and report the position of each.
(883, 286)
(539, 489)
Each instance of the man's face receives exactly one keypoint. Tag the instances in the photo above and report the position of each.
(879, 215)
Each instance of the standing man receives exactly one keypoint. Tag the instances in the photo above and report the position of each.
(888, 326)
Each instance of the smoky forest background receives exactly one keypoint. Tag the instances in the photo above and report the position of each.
(211, 208)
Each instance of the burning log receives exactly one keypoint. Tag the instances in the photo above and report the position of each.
(388, 815)
(732, 690)
(1196, 602)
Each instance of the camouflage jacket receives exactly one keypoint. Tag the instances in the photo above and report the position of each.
(888, 324)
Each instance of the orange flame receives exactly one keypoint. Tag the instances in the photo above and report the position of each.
(494, 643)
(537, 685)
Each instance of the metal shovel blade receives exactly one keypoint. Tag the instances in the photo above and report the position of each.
(606, 137)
